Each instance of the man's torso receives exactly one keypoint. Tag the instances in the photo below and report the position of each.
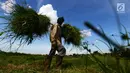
(55, 34)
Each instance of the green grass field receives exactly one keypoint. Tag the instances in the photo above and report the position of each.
(26, 63)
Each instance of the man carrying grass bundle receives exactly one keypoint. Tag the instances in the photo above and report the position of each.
(56, 45)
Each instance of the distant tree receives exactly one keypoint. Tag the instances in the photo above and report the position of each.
(96, 53)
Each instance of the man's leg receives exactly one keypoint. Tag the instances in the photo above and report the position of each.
(61, 54)
(48, 60)
(59, 60)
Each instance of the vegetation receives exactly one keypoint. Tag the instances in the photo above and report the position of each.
(27, 63)
(25, 24)
(67, 31)
(117, 50)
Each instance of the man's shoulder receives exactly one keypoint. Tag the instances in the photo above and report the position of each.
(54, 26)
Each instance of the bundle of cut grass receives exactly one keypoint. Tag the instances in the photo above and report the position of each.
(25, 22)
(71, 35)
(26, 25)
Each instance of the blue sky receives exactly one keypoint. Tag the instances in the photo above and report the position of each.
(76, 12)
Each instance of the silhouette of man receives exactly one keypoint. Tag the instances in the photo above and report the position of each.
(56, 45)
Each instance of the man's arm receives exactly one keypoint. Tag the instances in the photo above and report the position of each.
(53, 31)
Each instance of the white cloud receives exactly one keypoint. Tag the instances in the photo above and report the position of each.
(8, 5)
(50, 12)
(86, 33)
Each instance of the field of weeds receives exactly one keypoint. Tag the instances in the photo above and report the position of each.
(27, 63)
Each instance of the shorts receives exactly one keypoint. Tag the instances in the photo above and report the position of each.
(60, 48)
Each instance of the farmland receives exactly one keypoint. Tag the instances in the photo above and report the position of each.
(27, 63)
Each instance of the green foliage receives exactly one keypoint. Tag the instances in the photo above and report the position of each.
(27, 63)
(118, 51)
(1, 33)
(26, 24)
(44, 22)
(124, 36)
(24, 63)
(71, 35)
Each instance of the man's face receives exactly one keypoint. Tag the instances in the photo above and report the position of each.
(60, 20)
(60, 23)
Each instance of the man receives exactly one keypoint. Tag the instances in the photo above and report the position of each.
(56, 45)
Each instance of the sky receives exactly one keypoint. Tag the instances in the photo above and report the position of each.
(76, 12)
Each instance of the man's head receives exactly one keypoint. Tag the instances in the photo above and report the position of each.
(60, 20)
